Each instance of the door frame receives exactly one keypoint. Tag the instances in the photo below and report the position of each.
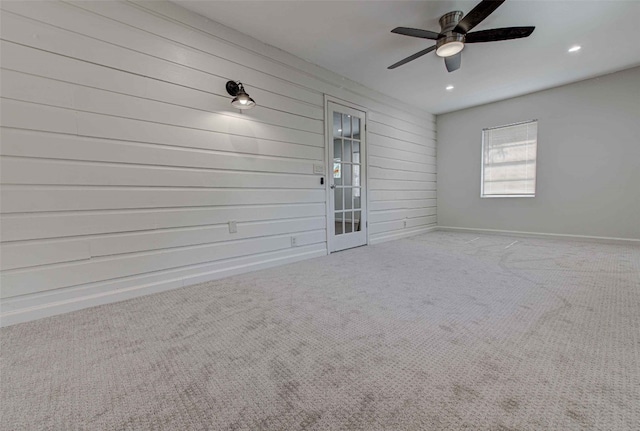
(328, 140)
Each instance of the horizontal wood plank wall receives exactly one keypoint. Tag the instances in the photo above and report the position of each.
(122, 161)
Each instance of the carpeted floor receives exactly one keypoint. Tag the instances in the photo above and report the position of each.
(443, 331)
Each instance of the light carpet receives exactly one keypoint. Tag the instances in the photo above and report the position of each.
(443, 331)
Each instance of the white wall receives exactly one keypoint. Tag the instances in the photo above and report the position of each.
(588, 175)
(122, 160)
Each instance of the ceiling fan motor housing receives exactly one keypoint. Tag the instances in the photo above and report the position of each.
(448, 22)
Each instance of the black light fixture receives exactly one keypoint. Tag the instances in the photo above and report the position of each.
(241, 99)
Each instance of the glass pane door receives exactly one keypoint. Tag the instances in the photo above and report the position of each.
(347, 165)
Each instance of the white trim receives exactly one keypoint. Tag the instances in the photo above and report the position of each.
(602, 239)
(509, 125)
(507, 196)
(41, 305)
(346, 103)
(402, 234)
(328, 173)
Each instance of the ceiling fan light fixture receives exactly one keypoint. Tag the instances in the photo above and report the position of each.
(449, 49)
(449, 45)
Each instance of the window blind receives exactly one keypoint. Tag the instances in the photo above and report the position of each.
(509, 160)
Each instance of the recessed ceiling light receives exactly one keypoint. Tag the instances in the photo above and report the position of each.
(575, 48)
(339, 130)
(449, 87)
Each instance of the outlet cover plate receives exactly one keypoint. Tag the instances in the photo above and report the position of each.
(233, 227)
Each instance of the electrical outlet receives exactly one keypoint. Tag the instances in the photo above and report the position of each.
(294, 241)
(233, 227)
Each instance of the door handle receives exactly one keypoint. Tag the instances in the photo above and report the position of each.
(333, 186)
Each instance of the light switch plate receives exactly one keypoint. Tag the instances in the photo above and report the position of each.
(233, 227)
(318, 169)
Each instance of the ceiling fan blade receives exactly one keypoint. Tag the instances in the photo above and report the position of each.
(412, 57)
(477, 15)
(416, 32)
(496, 34)
(453, 62)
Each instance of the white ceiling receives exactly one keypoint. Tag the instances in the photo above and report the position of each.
(353, 38)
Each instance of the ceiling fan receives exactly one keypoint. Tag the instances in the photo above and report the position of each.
(454, 34)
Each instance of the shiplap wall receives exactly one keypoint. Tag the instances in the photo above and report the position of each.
(122, 161)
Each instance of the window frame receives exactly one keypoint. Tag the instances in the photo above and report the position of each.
(515, 195)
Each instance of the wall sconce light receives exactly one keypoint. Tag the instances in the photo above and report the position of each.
(241, 99)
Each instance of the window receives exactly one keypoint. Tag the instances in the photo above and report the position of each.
(509, 160)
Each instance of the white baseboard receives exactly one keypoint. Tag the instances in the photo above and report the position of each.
(601, 239)
(46, 304)
(392, 236)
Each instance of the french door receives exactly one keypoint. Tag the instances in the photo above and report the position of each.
(347, 177)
